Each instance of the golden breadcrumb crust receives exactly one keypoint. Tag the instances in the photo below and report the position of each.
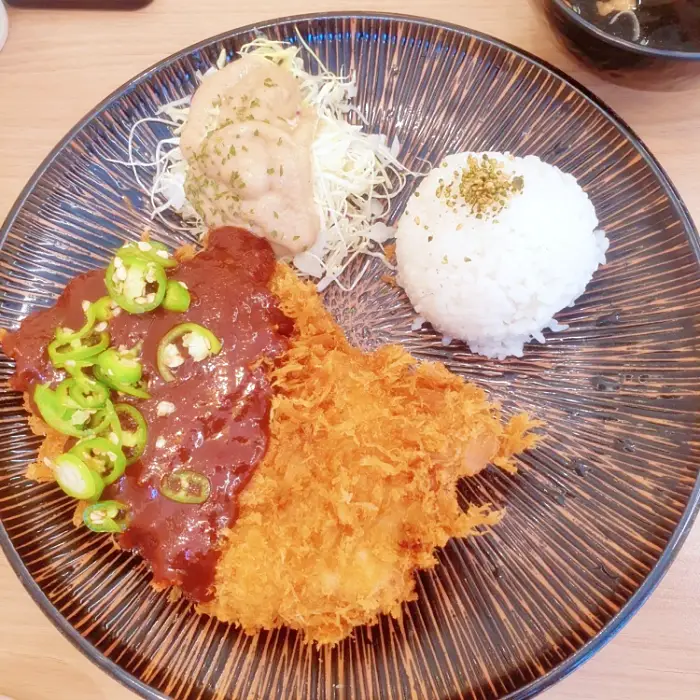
(358, 485)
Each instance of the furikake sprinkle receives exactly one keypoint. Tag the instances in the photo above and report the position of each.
(482, 186)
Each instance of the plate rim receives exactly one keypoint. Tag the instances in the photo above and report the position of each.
(685, 523)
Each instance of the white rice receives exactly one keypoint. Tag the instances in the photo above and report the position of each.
(497, 282)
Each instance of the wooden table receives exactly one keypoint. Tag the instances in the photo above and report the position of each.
(58, 64)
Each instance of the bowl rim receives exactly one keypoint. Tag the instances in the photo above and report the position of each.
(648, 51)
(685, 522)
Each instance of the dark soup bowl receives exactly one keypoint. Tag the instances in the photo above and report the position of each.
(653, 44)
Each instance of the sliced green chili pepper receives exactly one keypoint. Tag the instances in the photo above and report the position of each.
(100, 420)
(61, 415)
(105, 309)
(199, 341)
(113, 430)
(93, 396)
(120, 367)
(73, 394)
(150, 251)
(65, 401)
(76, 479)
(136, 390)
(136, 284)
(107, 516)
(81, 391)
(177, 297)
(53, 409)
(185, 487)
(67, 335)
(102, 457)
(62, 350)
(75, 368)
(133, 431)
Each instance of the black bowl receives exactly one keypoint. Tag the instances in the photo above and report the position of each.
(663, 65)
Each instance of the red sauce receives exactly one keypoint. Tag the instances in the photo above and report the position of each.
(220, 424)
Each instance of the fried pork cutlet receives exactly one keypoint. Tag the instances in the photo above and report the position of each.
(358, 486)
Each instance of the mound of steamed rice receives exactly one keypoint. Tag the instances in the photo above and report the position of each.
(496, 282)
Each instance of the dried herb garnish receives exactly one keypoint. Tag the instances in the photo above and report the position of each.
(482, 186)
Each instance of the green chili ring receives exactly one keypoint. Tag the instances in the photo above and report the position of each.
(101, 420)
(135, 390)
(76, 479)
(177, 297)
(63, 397)
(119, 367)
(81, 391)
(73, 395)
(88, 394)
(75, 368)
(61, 351)
(135, 440)
(102, 457)
(130, 293)
(62, 417)
(107, 516)
(151, 251)
(54, 411)
(105, 309)
(174, 334)
(185, 487)
(66, 335)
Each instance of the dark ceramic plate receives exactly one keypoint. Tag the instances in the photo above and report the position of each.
(595, 515)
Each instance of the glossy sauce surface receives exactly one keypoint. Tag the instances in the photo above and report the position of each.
(219, 425)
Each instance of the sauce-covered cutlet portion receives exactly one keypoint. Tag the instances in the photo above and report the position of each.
(211, 419)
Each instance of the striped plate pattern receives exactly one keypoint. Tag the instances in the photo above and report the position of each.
(595, 514)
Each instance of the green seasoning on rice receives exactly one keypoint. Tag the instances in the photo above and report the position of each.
(512, 242)
(482, 185)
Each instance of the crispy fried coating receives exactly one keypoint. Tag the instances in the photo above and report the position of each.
(53, 445)
(358, 485)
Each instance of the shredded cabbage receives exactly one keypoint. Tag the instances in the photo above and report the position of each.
(356, 174)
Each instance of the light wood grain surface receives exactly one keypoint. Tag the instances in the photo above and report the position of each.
(58, 64)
